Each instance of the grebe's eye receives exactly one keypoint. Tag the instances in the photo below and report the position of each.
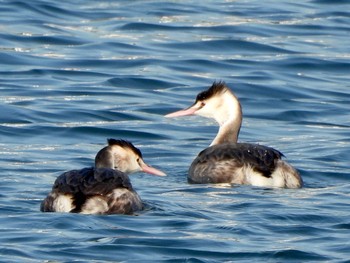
(202, 104)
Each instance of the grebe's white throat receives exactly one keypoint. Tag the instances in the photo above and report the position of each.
(105, 189)
(226, 160)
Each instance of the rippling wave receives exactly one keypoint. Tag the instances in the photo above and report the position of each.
(74, 74)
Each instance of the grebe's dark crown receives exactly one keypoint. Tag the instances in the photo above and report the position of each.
(216, 88)
(124, 144)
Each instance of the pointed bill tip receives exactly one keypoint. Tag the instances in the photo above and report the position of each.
(186, 112)
(151, 170)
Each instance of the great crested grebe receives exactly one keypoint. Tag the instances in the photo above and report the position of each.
(226, 160)
(103, 189)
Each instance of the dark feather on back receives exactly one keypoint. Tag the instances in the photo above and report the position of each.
(261, 158)
(88, 182)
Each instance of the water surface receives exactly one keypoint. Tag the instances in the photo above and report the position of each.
(74, 74)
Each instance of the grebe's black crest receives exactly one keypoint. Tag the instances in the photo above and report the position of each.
(124, 144)
(216, 88)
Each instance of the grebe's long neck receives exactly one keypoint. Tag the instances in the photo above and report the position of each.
(229, 117)
(227, 133)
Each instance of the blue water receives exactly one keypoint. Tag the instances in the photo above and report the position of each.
(74, 73)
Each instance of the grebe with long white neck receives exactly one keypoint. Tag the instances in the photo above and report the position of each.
(104, 189)
(226, 160)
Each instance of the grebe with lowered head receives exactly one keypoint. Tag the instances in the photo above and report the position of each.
(226, 160)
(104, 189)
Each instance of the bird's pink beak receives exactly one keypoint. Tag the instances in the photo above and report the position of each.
(150, 170)
(185, 112)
